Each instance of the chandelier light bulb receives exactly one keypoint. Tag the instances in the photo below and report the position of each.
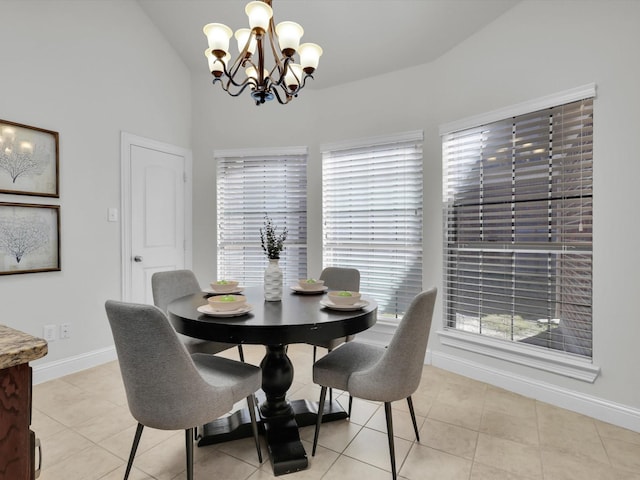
(259, 14)
(218, 36)
(242, 36)
(293, 76)
(216, 67)
(309, 56)
(289, 34)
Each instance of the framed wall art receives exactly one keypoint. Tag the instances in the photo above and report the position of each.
(28, 160)
(29, 238)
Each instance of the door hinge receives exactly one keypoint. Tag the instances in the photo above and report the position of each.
(184, 177)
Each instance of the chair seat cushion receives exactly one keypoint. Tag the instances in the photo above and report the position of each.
(195, 345)
(334, 369)
(242, 379)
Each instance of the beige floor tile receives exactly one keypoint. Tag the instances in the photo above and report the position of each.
(120, 443)
(426, 463)
(503, 401)
(244, 449)
(166, 459)
(449, 438)
(118, 474)
(467, 395)
(361, 410)
(106, 424)
(606, 430)
(402, 424)
(507, 455)
(63, 447)
(346, 468)
(485, 472)
(464, 416)
(221, 465)
(571, 433)
(43, 425)
(372, 447)
(623, 455)
(89, 464)
(519, 429)
(333, 435)
(563, 466)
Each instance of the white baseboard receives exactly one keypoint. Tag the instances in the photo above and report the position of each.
(601, 409)
(59, 368)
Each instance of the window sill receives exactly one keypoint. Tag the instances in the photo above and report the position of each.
(559, 363)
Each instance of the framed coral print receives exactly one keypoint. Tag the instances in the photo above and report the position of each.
(28, 160)
(29, 238)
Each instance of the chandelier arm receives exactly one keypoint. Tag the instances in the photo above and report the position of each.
(238, 93)
(277, 95)
(277, 53)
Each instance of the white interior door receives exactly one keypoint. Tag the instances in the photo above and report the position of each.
(156, 213)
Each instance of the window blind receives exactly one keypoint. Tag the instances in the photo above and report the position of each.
(251, 185)
(518, 210)
(372, 216)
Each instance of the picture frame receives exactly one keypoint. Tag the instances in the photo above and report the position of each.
(29, 160)
(29, 238)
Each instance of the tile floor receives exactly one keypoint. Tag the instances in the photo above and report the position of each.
(468, 430)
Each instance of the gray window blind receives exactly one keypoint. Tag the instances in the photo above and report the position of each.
(372, 216)
(249, 186)
(518, 205)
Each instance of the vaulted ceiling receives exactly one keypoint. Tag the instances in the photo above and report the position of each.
(360, 38)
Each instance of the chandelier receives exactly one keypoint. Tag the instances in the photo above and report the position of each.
(285, 79)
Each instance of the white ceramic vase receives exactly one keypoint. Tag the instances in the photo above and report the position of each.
(273, 281)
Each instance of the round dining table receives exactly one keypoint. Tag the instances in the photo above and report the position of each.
(299, 317)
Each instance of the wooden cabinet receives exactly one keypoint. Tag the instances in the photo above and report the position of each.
(16, 451)
(18, 443)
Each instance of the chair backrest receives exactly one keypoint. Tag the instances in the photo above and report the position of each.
(172, 284)
(339, 278)
(163, 386)
(397, 375)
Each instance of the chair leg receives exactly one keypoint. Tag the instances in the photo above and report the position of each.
(188, 434)
(241, 353)
(323, 394)
(251, 405)
(413, 417)
(134, 447)
(350, 403)
(392, 450)
(314, 353)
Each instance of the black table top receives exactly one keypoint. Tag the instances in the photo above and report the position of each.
(298, 318)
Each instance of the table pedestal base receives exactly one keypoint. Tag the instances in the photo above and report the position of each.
(285, 449)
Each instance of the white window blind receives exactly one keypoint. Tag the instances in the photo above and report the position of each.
(518, 201)
(372, 214)
(250, 185)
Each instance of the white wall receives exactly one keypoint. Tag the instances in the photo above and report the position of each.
(535, 49)
(87, 70)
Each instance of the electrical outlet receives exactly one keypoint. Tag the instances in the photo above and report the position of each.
(49, 332)
(65, 330)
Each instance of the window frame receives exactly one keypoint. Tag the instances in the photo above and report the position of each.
(335, 253)
(287, 215)
(558, 362)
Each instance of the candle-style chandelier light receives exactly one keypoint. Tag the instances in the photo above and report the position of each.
(285, 79)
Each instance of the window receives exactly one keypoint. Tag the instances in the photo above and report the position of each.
(372, 216)
(250, 185)
(518, 200)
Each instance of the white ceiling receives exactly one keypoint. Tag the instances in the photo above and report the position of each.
(360, 38)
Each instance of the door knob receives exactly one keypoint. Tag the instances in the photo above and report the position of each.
(137, 258)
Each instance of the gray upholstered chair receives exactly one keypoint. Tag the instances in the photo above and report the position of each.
(172, 284)
(381, 374)
(337, 278)
(169, 389)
